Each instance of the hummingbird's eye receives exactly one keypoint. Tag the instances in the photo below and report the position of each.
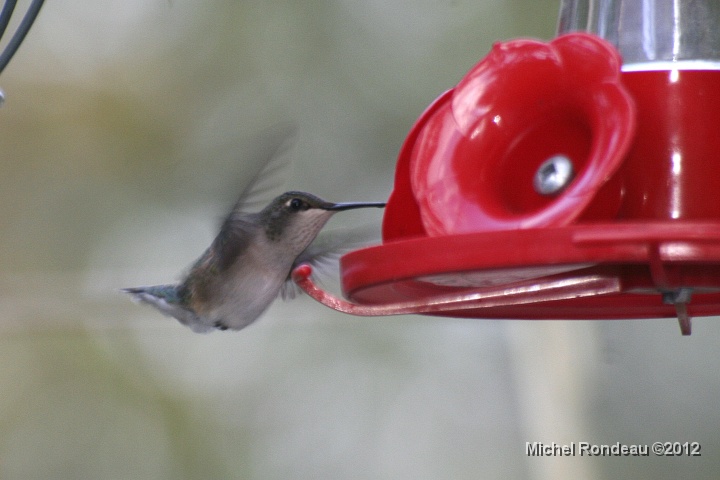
(296, 204)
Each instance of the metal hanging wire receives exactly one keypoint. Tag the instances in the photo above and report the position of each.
(22, 29)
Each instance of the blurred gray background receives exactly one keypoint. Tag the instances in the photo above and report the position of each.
(123, 142)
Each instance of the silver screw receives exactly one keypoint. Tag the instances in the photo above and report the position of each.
(554, 175)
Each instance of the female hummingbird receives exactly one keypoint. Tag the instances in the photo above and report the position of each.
(249, 263)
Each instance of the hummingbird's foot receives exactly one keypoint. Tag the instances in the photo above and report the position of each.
(220, 325)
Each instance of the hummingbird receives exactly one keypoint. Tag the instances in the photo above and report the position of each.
(248, 264)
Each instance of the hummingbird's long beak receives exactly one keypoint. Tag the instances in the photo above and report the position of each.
(336, 207)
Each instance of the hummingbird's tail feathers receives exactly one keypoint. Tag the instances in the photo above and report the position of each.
(168, 300)
(169, 293)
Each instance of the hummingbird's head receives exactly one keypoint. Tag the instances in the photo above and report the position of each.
(297, 217)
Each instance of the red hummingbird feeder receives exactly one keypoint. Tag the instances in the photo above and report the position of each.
(560, 180)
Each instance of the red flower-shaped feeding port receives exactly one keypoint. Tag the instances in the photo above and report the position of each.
(471, 229)
(470, 161)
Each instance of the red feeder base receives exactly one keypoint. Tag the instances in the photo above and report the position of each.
(586, 271)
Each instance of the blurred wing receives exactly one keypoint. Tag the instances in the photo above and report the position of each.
(323, 254)
(234, 238)
(237, 229)
(272, 147)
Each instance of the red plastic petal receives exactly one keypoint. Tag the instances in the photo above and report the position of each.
(475, 152)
